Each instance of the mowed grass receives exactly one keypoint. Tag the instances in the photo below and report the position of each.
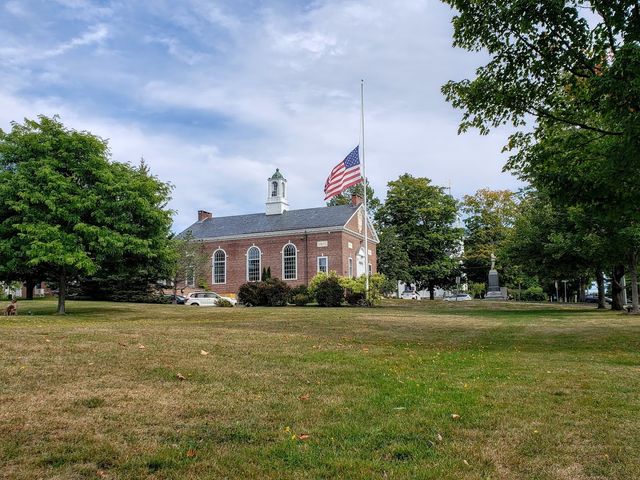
(543, 392)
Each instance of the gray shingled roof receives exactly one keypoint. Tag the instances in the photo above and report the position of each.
(321, 217)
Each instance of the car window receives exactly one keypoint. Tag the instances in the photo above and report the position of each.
(210, 295)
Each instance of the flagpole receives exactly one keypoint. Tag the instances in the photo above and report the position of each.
(364, 174)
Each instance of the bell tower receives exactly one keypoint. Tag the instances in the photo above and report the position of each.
(277, 194)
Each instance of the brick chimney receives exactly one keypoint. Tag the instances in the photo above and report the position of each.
(356, 200)
(203, 215)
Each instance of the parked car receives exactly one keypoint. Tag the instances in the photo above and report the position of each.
(180, 299)
(206, 299)
(410, 295)
(459, 297)
(593, 298)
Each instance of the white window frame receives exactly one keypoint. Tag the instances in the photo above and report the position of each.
(295, 259)
(259, 263)
(190, 277)
(274, 189)
(213, 267)
(318, 263)
(370, 270)
(350, 269)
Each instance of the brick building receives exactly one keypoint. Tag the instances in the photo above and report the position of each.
(294, 244)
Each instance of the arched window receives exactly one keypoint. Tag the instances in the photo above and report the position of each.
(274, 189)
(289, 262)
(219, 266)
(253, 264)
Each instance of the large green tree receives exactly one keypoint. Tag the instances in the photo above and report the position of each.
(424, 218)
(572, 68)
(69, 211)
(489, 214)
(393, 259)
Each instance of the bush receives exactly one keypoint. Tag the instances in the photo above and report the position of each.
(298, 290)
(327, 290)
(268, 293)
(355, 289)
(248, 294)
(534, 294)
(477, 289)
(223, 302)
(301, 299)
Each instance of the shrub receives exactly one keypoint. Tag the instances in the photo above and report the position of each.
(223, 302)
(301, 299)
(534, 294)
(268, 293)
(326, 289)
(477, 289)
(298, 290)
(248, 294)
(355, 289)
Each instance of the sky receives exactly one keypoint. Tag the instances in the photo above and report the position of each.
(216, 94)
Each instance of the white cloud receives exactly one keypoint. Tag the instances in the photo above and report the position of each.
(284, 93)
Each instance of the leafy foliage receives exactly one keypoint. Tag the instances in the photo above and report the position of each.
(373, 202)
(272, 292)
(423, 217)
(69, 212)
(326, 289)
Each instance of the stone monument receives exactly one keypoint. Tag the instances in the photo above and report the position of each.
(494, 292)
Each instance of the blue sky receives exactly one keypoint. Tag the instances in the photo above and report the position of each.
(216, 94)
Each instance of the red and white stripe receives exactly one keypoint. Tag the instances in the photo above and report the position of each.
(340, 179)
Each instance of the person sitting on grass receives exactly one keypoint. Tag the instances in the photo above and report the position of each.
(12, 308)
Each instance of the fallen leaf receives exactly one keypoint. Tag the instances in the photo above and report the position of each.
(439, 437)
(47, 340)
(179, 376)
(191, 453)
(365, 349)
(122, 344)
(141, 346)
(303, 436)
(101, 474)
(202, 352)
(465, 462)
(455, 416)
(400, 408)
(90, 363)
(304, 397)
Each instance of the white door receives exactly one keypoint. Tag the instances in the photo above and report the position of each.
(360, 263)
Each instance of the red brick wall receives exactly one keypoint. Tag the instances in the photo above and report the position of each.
(271, 248)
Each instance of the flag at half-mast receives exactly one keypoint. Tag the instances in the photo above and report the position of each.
(344, 175)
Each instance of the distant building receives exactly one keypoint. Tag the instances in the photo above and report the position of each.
(294, 244)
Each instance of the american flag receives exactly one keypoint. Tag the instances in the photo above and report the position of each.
(344, 175)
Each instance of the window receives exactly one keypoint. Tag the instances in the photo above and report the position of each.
(274, 189)
(370, 270)
(190, 277)
(283, 189)
(323, 264)
(253, 264)
(289, 262)
(219, 266)
(350, 275)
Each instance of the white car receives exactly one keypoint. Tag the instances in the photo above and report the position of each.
(460, 297)
(410, 295)
(206, 299)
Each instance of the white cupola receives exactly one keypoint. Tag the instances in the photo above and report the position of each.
(277, 194)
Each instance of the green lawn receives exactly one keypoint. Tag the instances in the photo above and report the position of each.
(543, 392)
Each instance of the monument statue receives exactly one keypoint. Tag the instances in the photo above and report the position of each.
(494, 292)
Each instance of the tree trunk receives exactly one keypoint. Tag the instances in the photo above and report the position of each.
(600, 283)
(175, 291)
(62, 293)
(30, 284)
(616, 287)
(432, 293)
(633, 267)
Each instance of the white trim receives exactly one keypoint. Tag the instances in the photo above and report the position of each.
(369, 224)
(350, 267)
(259, 264)
(213, 267)
(318, 263)
(360, 236)
(296, 261)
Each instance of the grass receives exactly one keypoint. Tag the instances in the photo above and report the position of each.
(543, 392)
